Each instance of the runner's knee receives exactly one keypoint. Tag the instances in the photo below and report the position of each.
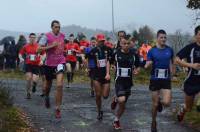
(121, 99)
(166, 103)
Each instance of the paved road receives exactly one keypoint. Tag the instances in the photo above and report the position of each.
(79, 111)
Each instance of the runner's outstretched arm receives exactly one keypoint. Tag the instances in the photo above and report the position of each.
(186, 64)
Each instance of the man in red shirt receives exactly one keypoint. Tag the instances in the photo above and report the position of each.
(71, 50)
(32, 63)
(81, 57)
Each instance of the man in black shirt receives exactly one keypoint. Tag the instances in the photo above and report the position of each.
(191, 86)
(126, 63)
(101, 54)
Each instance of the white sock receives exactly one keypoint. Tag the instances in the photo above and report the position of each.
(116, 119)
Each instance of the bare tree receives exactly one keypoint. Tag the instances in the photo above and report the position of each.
(178, 40)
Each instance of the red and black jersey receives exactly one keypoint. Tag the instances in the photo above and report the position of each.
(71, 49)
(32, 57)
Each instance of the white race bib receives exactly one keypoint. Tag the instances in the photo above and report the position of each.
(69, 52)
(198, 73)
(141, 59)
(102, 63)
(60, 67)
(32, 57)
(124, 72)
(161, 73)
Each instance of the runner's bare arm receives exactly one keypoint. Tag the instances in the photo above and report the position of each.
(148, 64)
(107, 70)
(186, 64)
(41, 48)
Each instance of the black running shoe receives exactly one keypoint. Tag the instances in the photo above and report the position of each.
(42, 95)
(100, 115)
(28, 96)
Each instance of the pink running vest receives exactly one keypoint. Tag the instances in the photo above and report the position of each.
(55, 56)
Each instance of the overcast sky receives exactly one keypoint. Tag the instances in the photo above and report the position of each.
(36, 15)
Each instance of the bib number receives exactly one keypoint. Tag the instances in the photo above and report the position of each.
(69, 52)
(161, 73)
(141, 59)
(60, 67)
(124, 72)
(102, 63)
(197, 73)
(32, 57)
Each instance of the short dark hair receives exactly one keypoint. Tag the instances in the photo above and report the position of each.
(71, 35)
(127, 37)
(161, 31)
(93, 38)
(32, 34)
(54, 21)
(121, 32)
(197, 29)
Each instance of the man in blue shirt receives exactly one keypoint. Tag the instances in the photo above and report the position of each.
(160, 58)
(90, 63)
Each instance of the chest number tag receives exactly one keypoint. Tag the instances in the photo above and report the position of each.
(69, 52)
(102, 63)
(32, 57)
(124, 72)
(161, 73)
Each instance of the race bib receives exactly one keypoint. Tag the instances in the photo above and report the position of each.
(69, 52)
(141, 59)
(60, 67)
(197, 72)
(124, 72)
(102, 63)
(32, 57)
(161, 73)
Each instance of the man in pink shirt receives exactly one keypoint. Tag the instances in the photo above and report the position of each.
(53, 44)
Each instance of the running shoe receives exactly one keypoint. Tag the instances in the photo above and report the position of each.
(58, 114)
(116, 125)
(100, 115)
(28, 96)
(181, 113)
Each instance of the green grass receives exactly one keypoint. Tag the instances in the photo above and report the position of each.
(81, 77)
(12, 74)
(193, 118)
(10, 117)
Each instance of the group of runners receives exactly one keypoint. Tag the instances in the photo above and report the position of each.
(51, 57)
